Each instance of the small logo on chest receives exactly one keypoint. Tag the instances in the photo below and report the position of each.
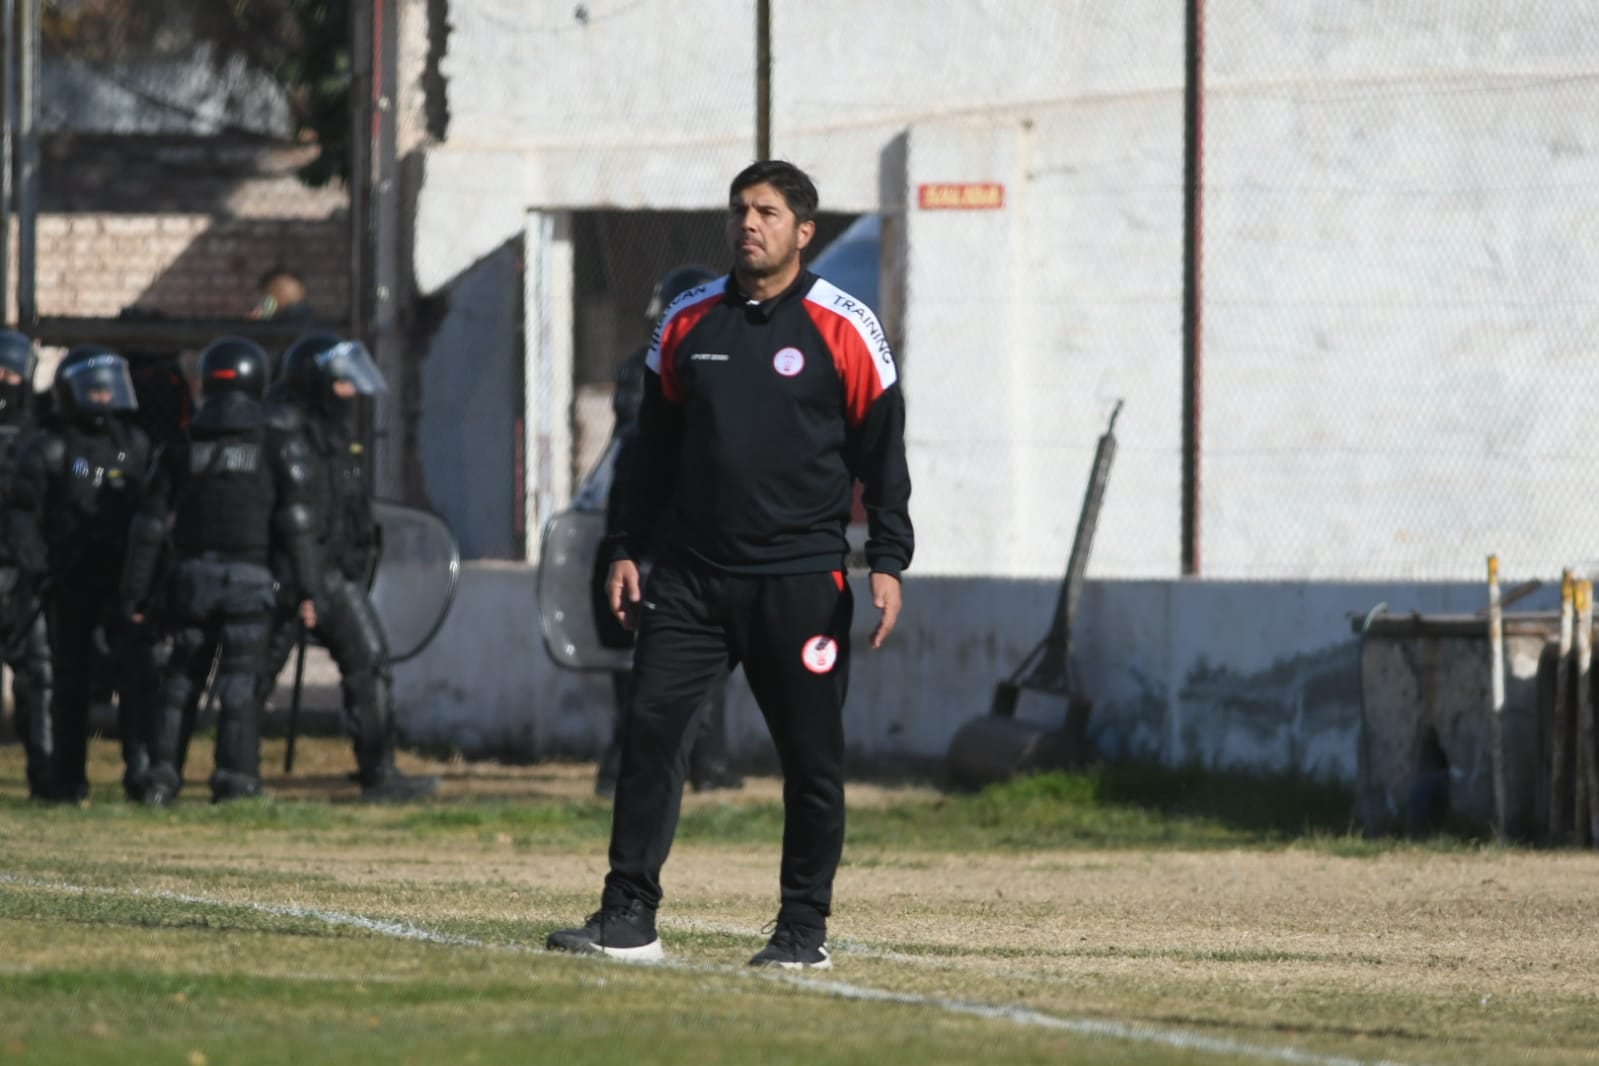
(788, 361)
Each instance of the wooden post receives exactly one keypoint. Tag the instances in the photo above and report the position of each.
(1496, 690)
(1558, 782)
(1585, 730)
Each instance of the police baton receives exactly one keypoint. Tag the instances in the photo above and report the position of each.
(294, 699)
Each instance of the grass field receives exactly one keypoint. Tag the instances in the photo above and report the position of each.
(1123, 916)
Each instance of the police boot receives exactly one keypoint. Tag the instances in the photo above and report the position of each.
(229, 785)
(73, 793)
(32, 721)
(238, 771)
(160, 786)
(133, 725)
(392, 785)
(382, 781)
(708, 767)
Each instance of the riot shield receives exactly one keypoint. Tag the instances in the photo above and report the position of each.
(577, 632)
(416, 577)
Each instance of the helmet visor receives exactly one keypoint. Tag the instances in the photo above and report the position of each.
(350, 361)
(101, 383)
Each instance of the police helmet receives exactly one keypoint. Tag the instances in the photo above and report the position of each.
(672, 284)
(92, 380)
(628, 396)
(233, 364)
(17, 354)
(312, 365)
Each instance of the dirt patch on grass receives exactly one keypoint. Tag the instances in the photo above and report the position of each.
(1465, 956)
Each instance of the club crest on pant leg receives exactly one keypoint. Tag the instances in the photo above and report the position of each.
(819, 654)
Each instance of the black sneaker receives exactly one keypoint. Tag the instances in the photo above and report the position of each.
(795, 947)
(626, 932)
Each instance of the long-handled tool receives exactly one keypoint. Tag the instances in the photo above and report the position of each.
(994, 746)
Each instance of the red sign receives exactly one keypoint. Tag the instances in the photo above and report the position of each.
(961, 196)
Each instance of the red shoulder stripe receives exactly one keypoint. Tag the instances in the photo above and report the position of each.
(859, 346)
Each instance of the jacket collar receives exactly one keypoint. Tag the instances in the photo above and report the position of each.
(764, 309)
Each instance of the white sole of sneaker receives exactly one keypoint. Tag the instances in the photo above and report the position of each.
(651, 952)
(825, 964)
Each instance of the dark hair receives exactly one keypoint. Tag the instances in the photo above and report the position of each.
(795, 185)
(275, 272)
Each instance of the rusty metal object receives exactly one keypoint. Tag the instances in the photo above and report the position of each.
(994, 746)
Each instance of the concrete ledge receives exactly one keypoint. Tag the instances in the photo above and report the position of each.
(1248, 675)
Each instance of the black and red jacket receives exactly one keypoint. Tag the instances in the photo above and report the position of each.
(757, 420)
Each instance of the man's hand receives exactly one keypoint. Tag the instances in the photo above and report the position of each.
(886, 598)
(623, 592)
(308, 614)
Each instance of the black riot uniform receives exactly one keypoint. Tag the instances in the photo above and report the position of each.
(322, 375)
(78, 482)
(709, 768)
(22, 625)
(237, 488)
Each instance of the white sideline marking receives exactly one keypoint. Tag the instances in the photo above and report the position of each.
(1142, 1034)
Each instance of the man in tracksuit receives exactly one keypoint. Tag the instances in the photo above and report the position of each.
(768, 394)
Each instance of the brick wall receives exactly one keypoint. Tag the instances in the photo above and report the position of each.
(186, 265)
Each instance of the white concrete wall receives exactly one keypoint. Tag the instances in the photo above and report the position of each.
(848, 77)
(1396, 322)
(1396, 312)
(1399, 313)
(1018, 340)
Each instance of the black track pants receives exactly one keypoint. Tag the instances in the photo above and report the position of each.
(791, 633)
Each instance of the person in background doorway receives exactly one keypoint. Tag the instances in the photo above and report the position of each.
(708, 766)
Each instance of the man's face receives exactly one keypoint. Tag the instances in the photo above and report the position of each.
(763, 233)
(344, 390)
(98, 397)
(9, 377)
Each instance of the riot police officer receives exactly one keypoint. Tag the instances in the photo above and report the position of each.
(322, 376)
(78, 481)
(709, 768)
(22, 626)
(238, 486)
